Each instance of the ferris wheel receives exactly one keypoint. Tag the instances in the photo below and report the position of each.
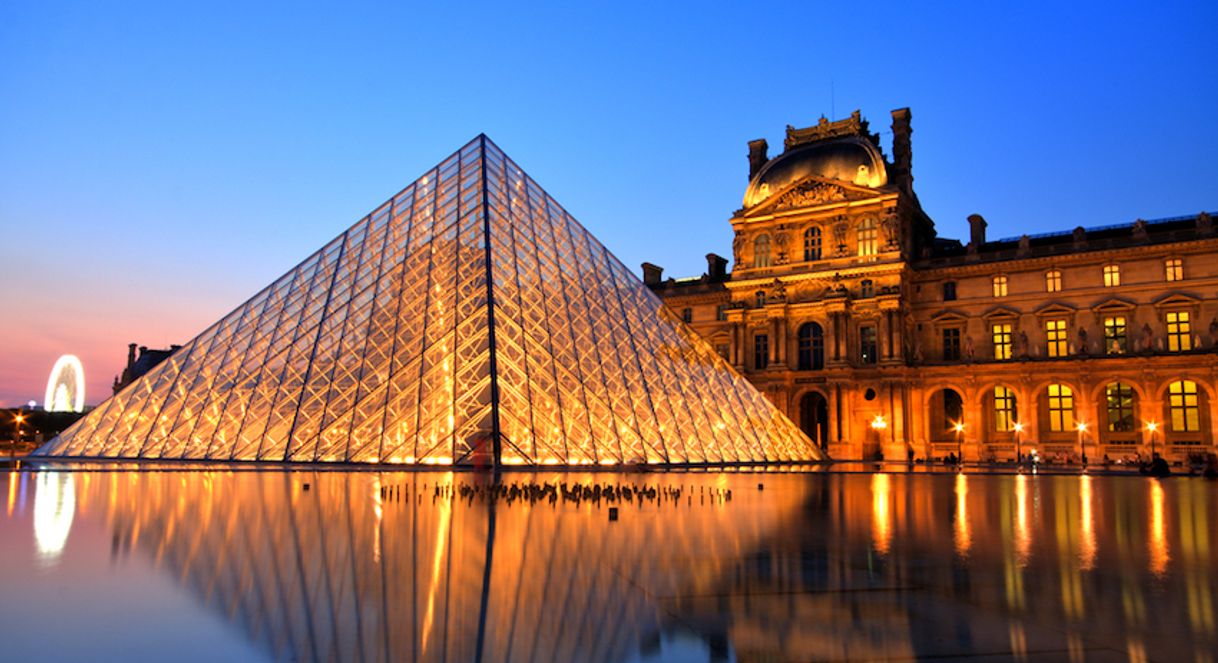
(66, 387)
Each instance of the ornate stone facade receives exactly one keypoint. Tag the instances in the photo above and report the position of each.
(883, 339)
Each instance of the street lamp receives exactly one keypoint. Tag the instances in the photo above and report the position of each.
(878, 424)
(1152, 427)
(1082, 428)
(959, 428)
(12, 447)
(1018, 448)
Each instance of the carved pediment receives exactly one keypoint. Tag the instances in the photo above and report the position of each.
(1055, 309)
(809, 194)
(1001, 312)
(1177, 299)
(949, 317)
(1114, 304)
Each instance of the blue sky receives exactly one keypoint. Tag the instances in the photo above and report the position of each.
(160, 162)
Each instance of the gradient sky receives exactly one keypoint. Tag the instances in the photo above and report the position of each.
(160, 163)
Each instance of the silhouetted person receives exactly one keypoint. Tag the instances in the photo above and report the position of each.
(1158, 467)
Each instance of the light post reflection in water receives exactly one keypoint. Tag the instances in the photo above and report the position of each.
(54, 507)
(424, 566)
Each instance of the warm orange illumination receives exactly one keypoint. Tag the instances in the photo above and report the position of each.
(963, 535)
(1152, 426)
(959, 427)
(1081, 427)
(1023, 529)
(1160, 554)
(1087, 545)
(878, 423)
(1018, 427)
(881, 512)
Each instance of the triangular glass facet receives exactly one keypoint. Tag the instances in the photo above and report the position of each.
(468, 320)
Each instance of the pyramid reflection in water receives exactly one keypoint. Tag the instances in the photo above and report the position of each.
(468, 320)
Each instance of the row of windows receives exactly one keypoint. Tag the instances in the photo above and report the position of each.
(1173, 271)
(1183, 402)
(1116, 337)
(867, 233)
(810, 347)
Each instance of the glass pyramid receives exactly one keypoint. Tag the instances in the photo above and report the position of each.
(468, 320)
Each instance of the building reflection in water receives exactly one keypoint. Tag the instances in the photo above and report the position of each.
(422, 566)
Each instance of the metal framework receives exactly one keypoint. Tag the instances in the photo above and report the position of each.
(468, 320)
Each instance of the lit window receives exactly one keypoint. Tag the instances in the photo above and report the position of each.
(868, 236)
(867, 345)
(1002, 340)
(1120, 407)
(1000, 286)
(1185, 406)
(812, 244)
(949, 291)
(1115, 342)
(687, 315)
(1055, 338)
(1112, 276)
(1061, 408)
(721, 312)
(1179, 332)
(811, 347)
(951, 344)
(1174, 268)
(1053, 281)
(1004, 409)
(761, 351)
(761, 251)
(866, 288)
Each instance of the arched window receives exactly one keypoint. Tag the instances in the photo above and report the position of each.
(1185, 406)
(811, 244)
(1005, 409)
(1120, 407)
(761, 251)
(811, 350)
(1061, 408)
(868, 236)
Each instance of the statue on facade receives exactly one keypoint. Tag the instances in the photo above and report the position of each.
(1021, 345)
(738, 249)
(1025, 245)
(778, 292)
(1146, 342)
(783, 240)
(839, 238)
(969, 350)
(1139, 229)
(1082, 341)
(891, 231)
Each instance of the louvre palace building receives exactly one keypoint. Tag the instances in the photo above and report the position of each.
(882, 339)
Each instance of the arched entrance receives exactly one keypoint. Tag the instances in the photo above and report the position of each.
(946, 411)
(814, 417)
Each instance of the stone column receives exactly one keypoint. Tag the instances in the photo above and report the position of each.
(737, 352)
(782, 341)
(774, 342)
(884, 351)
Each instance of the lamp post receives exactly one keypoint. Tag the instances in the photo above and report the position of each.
(1018, 447)
(959, 428)
(879, 424)
(1152, 427)
(12, 447)
(1082, 428)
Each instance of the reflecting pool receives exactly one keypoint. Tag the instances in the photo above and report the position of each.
(264, 565)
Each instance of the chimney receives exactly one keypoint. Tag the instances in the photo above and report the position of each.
(757, 155)
(130, 355)
(716, 267)
(902, 150)
(976, 230)
(652, 275)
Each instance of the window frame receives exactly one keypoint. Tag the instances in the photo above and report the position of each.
(1007, 342)
(1179, 326)
(1112, 275)
(869, 340)
(1061, 407)
(1057, 338)
(1173, 269)
(762, 259)
(761, 351)
(1000, 284)
(1110, 337)
(1124, 421)
(1005, 409)
(1184, 402)
(1053, 280)
(813, 244)
(867, 237)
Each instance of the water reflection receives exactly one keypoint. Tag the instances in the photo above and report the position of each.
(453, 567)
(54, 507)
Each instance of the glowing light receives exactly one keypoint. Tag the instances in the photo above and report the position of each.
(54, 507)
(878, 423)
(1152, 426)
(1023, 533)
(1081, 427)
(959, 427)
(66, 386)
(1018, 427)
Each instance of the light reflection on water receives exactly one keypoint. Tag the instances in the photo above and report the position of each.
(423, 566)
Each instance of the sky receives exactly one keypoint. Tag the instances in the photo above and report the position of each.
(161, 162)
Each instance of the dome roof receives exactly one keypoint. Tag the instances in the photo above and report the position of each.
(849, 159)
